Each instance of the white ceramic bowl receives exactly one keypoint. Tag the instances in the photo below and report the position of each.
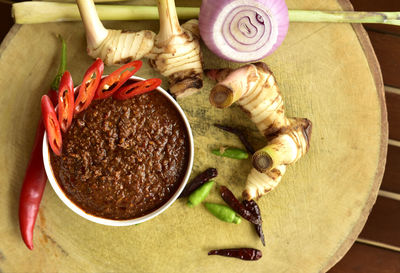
(110, 222)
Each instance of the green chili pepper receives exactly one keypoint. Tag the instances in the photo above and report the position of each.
(231, 153)
(62, 67)
(223, 213)
(200, 194)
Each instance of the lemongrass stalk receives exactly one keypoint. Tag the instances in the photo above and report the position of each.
(169, 23)
(377, 17)
(95, 31)
(32, 12)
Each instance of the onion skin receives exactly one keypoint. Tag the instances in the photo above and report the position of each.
(243, 30)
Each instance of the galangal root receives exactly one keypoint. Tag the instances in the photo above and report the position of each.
(174, 51)
(254, 88)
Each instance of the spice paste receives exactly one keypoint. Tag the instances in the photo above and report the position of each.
(123, 159)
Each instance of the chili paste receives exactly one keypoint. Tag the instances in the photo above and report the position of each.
(123, 159)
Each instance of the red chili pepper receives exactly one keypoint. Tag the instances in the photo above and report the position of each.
(65, 101)
(35, 176)
(32, 189)
(52, 125)
(89, 85)
(110, 84)
(53, 95)
(34, 184)
(137, 88)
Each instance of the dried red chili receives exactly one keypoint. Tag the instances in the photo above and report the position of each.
(255, 210)
(232, 201)
(199, 180)
(249, 254)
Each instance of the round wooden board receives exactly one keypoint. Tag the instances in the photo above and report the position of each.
(326, 72)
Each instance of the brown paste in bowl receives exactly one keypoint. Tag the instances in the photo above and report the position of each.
(123, 159)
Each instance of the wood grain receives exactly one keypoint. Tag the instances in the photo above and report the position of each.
(387, 49)
(367, 5)
(5, 19)
(310, 220)
(382, 224)
(391, 178)
(382, 5)
(377, 76)
(368, 259)
(393, 103)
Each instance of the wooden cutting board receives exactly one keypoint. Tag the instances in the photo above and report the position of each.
(327, 73)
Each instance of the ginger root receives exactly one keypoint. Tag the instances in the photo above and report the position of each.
(174, 51)
(254, 88)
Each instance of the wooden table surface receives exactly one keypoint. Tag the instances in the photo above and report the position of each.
(378, 246)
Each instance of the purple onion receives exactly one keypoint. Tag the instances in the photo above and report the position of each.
(243, 30)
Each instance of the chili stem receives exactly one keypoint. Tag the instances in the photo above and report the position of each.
(32, 12)
(63, 65)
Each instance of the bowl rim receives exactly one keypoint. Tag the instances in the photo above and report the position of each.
(110, 222)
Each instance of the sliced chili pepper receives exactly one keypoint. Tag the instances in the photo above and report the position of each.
(65, 101)
(52, 125)
(53, 95)
(232, 201)
(199, 180)
(110, 84)
(137, 88)
(249, 254)
(89, 85)
(255, 210)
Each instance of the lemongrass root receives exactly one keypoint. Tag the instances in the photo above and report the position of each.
(112, 46)
(176, 53)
